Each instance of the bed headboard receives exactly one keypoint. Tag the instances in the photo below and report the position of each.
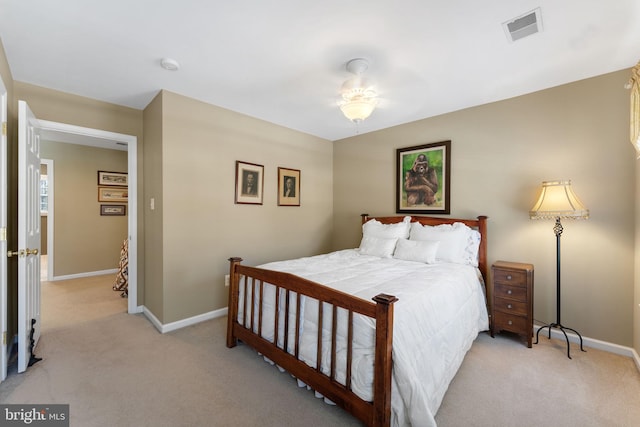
(479, 224)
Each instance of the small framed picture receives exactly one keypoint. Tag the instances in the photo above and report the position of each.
(423, 177)
(117, 179)
(249, 183)
(113, 210)
(113, 194)
(288, 187)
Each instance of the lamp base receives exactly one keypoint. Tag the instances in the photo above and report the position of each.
(562, 328)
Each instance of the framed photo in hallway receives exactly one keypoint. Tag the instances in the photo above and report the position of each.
(113, 210)
(112, 194)
(117, 179)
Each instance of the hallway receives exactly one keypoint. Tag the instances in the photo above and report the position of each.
(67, 302)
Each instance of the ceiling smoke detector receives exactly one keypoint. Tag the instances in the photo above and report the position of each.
(523, 26)
(169, 64)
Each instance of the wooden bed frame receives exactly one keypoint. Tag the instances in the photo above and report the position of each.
(376, 413)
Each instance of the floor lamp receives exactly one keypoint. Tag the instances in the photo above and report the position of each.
(557, 200)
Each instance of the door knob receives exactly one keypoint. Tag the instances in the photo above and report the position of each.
(22, 252)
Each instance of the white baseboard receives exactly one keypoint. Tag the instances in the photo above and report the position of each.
(636, 359)
(152, 318)
(87, 274)
(164, 328)
(591, 342)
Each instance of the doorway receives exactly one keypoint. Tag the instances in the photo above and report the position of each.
(61, 132)
(46, 216)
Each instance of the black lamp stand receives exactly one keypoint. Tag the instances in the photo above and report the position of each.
(558, 230)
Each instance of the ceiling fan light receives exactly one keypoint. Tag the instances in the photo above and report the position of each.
(357, 110)
(359, 97)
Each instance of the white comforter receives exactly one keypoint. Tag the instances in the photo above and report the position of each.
(440, 311)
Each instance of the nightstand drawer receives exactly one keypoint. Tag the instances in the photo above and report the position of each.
(515, 278)
(512, 323)
(511, 306)
(508, 291)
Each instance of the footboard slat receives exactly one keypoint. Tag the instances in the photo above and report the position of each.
(286, 321)
(276, 317)
(376, 413)
(334, 332)
(319, 338)
(349, 348)
(297, 343)
(253, 306)
(245, 301)
(261, 293)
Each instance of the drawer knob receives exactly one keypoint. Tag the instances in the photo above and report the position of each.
(509, 291)
(508, 277)
(510, 322)
(509, 306)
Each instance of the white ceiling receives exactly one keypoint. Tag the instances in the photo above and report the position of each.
(283, 60)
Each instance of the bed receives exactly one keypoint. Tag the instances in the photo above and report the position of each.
(379, 330)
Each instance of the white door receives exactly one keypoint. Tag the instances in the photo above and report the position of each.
(3, 233)
(28, 235)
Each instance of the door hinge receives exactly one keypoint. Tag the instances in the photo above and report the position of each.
(3, 234)
(4, 128)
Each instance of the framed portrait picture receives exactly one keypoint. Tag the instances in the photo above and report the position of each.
(118, 179)
(113, 210)
(113, 194)
(423, 178)
(249, 183)
(288, 187)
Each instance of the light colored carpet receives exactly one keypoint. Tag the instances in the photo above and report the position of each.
(504, 383)
(115, 369)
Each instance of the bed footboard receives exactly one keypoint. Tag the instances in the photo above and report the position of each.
(248, 329)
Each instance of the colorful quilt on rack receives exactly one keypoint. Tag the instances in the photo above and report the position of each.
(122, 277)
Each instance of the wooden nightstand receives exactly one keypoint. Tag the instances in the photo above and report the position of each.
(512, 298)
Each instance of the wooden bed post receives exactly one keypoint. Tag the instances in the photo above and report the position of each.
(383, 360)
(232, 313)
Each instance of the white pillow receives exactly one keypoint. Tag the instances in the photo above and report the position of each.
(416, 250)
(399, 230)
(458, 243)
(377, 246)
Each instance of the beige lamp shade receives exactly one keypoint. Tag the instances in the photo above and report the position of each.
(557, 200)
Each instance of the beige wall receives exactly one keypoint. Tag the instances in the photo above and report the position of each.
(201, 225)
(84, 241)
(152, 264)
(500, 154)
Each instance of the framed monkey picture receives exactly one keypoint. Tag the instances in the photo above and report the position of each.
(423, 178)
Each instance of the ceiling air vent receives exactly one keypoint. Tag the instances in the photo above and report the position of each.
(523, 26)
